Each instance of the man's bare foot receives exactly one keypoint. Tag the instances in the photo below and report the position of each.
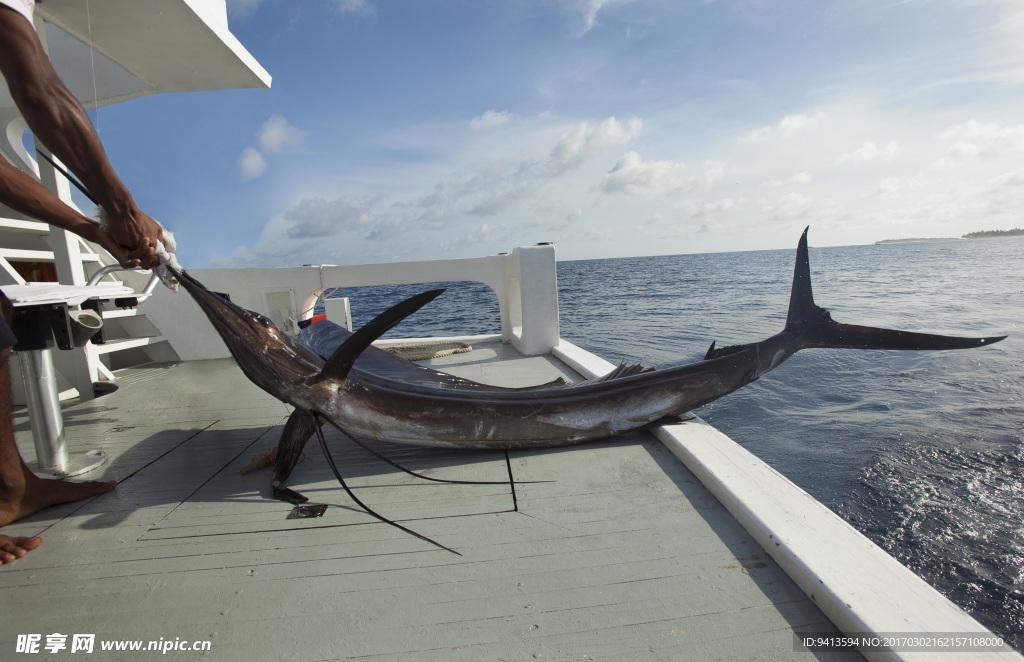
(27, 494)
(12, 549)
(21, 497)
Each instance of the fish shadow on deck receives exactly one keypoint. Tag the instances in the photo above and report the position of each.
(185, 482)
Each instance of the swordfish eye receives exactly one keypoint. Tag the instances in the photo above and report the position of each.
(264, 321)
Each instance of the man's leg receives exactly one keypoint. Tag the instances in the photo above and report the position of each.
(22, 492)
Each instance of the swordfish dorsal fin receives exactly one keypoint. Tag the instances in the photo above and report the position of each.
(341, 361)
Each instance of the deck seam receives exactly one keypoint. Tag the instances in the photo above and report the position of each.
(155, 525)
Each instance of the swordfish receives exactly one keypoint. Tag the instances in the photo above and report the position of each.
(369, 394)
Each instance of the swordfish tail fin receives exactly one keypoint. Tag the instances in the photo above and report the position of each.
(815, 327)
(811, 326)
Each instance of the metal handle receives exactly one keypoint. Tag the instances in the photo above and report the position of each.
(147, 291)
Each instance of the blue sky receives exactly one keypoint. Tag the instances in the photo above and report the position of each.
(413, 129)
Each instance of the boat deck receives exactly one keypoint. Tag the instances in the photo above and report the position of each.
(620, 554)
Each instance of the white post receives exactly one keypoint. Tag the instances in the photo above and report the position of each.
(532, 290)
(339, 312)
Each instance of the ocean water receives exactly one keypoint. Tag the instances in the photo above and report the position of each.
(921, 451)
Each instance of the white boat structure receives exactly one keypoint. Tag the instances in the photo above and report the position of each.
(664, 545)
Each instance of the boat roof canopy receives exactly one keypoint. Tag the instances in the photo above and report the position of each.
(139, 48)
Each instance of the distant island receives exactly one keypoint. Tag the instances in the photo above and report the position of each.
(984, 234)
(1016, 232)
(906, 241)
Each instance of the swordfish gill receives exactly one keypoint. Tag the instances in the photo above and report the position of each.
(369, 394)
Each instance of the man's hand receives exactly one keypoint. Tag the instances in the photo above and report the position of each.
(96, 234)
(135, 234)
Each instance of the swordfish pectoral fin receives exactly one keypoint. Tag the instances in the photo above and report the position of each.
(297, 431)
(340, 363)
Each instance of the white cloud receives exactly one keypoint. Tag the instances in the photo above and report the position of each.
(791, 124)
(631, 174)
(757, 135)
(1003, 196)
(870, 151)
(251, 163)
(697, 209)
(1011, 179)
(243, 8)
(491, 119)
(892, 187)
(961, 151)
(788, 207)
(481, 202)
(591, 8)
(319, 217)
(788, 126)
(277, 135)
(491, 187)
(977, 140)
(501, 233)
(586, 139)
(360, 7)
(712, 173)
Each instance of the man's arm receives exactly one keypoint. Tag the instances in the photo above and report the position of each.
(24, 193)
(60, 122)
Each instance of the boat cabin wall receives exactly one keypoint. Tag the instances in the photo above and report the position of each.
(524, 282)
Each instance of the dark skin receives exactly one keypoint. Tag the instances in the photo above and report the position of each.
(60, 122)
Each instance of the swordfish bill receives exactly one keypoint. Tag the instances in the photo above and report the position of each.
(368, 394)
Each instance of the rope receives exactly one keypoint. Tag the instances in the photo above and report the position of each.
(421, 351)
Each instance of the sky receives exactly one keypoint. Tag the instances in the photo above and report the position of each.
(419, 129)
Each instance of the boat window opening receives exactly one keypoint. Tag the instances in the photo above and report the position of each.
(465, 308)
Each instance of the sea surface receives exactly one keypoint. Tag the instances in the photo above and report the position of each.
(921, 451)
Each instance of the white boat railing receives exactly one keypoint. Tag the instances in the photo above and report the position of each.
(524, 282)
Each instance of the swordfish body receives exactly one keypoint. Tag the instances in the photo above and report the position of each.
(369, 394)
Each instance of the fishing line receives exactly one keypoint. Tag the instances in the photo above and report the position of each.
(67, 175)
(92, 61)
(383, 458)
(369, 511)
(95, 109)
(512, 482)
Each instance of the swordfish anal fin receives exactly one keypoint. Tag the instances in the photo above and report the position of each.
(341, 361)
(811, 326)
